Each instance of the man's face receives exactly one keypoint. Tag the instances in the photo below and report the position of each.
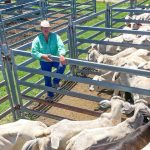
(45, 30)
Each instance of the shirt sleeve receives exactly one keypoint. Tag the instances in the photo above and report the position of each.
(35, 49)
(61, 47)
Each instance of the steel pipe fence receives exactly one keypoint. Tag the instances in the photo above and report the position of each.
(80, 47)
(38, 85)
(7, 107)
(79, 36)
(21, 20)
(72, 78)
(25, 71)
(19, 25)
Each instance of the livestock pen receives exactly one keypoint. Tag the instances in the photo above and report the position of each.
(19, 25)
(26, 70)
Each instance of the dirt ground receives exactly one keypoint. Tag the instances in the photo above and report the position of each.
(73, 101)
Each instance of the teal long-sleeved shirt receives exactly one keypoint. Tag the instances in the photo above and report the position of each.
(54, 46)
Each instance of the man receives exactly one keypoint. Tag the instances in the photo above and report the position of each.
(44, 45)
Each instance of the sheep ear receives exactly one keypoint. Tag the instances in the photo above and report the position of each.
(115, 76)
(94, 46)
(44, 143)
(127, 108)
(105, 104)
(30, 145)
(55, 142)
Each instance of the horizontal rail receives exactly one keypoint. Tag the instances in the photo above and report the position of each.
(131, 10)
(130, 20)
(113, 43)
(7, 112)
(83, 80)
(64, 106)
(81, 20)
(3, 99)
(113, 30)
(122, 2)
(2, 83)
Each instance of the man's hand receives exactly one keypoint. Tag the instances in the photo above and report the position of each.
(46, 57)
(62, 60)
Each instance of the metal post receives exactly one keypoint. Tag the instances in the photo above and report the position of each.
(72, 45)
(19, 2)
(43, 8)
(7, 85)
(9, 73)
(12, 85)
(73, 9)
(107, 22)
(135, 4)
(2, 32)
(94, 6)
(132, 5)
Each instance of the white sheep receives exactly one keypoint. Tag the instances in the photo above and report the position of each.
(65, 129)
(14, 135)
(89, 137)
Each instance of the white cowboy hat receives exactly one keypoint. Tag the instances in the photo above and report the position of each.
(45, 23)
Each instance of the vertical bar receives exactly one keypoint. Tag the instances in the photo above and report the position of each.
(71, 44)
(135, 4)
(107, 22)
(111, 21)
(94, 6)
(73, 9)
(16, 80)
(9, 76)
(43, 9)
(7, 86)
(132, 6)
(11, 81)
(19, 2)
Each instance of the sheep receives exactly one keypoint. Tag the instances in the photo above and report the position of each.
(147, 147)
(133, 81)
(144, 16)
(65, 129)
(145, 39)
(104, 77)
(137, 57)
(95, 56)
(130, 37)
(14, 135)
(133, 141)
(89, 137)
(101, 48)
(113, 49)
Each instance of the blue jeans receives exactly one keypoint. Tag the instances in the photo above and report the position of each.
(47, 66)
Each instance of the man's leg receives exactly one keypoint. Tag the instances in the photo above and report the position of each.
(47, 66)
(60, 69)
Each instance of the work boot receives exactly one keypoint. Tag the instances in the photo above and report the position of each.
(49, 99)
(56, 86)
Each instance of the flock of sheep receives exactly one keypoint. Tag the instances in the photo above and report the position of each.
(107, 132)
(104, 133)
(132, 58)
